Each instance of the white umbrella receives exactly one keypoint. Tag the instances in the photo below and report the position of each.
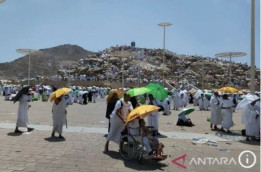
(47, 87)
(80, 92)
(248, 99)
(84, 92)
(198, 94)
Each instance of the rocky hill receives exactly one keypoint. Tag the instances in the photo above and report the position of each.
(46, 62)
(141, 65)
(146, 65)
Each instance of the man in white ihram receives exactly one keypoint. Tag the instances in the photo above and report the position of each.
(176, 101)
(59, 116)
(117, 120)
(215, 111)
(153, 120)
(251, 119)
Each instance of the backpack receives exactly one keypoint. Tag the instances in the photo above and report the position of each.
(110, 108)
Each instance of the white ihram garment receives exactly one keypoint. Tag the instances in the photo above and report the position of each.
(153, 119)
(226, 113)
(215, 111)
(252, 120)
(59, 116)
(22, 116)
(117, 124)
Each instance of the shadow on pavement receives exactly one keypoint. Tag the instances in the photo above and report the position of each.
(146, 165)
(255, 143)
(114, 155)
(14, 134)
(54, 139)
(162, 136)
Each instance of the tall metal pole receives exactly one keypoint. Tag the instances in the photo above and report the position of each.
(164, 37)
(252, 83)
(122, 84)
(163, 77)
(230, 72)
(29, 62)
(164, 30)
(139, 74)
(69, 77)
(230, 55)
(107, 69)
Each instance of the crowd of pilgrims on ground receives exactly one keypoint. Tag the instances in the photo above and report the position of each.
(221, 107)
(81, 95)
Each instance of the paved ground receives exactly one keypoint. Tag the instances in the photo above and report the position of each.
(83, 148)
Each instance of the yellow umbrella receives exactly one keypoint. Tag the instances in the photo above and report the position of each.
(240, 92)
(192, 92)
(228, 90)
(119, 93)
(141, 111)
(59, 93)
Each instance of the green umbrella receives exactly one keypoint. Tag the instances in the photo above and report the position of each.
(157, 91)
(138, 91)
(208, 94)
(186, 111)
(240, 98)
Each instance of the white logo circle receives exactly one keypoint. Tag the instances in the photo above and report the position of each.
(244, 152)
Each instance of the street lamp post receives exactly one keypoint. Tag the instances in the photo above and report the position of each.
(107, 70)
(139, 75)
(122, 84)
(27, 52)
(139, 56)
(230, 55)
(164, 25)
(253, 70)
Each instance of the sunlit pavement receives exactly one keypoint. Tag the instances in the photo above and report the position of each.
(82, 149)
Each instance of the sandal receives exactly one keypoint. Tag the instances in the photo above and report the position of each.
(30, 129)
(61, 137)
(164, 157)
(18, 131)
(106, 148)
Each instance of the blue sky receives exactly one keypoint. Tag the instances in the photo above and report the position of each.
(202, 27)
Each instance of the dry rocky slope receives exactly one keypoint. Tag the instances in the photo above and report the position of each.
(46, 62)
(212, 73)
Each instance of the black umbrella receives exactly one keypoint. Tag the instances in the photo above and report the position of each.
(54, 88)
(24, 90)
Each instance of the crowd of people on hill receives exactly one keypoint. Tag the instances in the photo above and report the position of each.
(177, 65)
